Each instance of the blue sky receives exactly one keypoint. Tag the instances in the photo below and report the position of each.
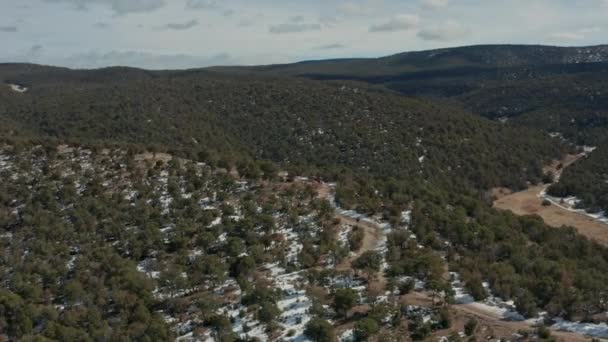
(197, 33)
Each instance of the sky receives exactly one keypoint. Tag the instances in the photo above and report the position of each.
(175, 34)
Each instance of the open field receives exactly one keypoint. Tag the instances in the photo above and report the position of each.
(529, 202)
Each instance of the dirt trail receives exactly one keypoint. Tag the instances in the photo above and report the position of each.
(372, 235)
(529, 202)
(370, 240)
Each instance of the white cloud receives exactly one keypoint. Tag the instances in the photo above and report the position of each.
(445, 32)
(246, 34)
(294, 28)
(101, 25)
(181, 26)
(435, 4)
(334, 46)
(398, 23)
(567, 36)
(201, 4)
(118, 6)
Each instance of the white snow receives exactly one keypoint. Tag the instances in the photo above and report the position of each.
(347, 336)
(492, 304)
(460, 294)
(18, 88)
(587, 329)
(569, 203)
(295, 306)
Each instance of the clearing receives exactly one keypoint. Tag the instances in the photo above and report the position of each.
(529, 202)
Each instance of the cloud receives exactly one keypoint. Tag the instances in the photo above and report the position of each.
(297, 19)
(202, 4)
(208, 5)
(181, 26)
(335, 46)
(399, 23)
(294, 28)
(8, 29)
(119, 7)
(351, 9)
(446, 32)
(435, 4)
(101, 25)
(29, 55)
(567, 36)
(579, 34)
(35, 51)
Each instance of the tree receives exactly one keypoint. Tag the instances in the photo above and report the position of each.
(222, 328)
(344, 300)
(369, 262)
(15, 315)
(366, 328)
(470, 327)
(355, 238)
(268, 312)
(319, 330)
(525, 303)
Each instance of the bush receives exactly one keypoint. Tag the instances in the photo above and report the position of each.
(407, 286)
(344, 300)
(319, 330)
(366, 328)
(543, 332)
(470, 327)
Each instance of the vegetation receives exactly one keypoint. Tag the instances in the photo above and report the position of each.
(107, 237)
(319, 330)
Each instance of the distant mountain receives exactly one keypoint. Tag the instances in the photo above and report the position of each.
(470, 57)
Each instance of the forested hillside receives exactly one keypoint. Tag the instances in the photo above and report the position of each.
(110, 243)
(148, 205)
(301, 124)
(555, 89)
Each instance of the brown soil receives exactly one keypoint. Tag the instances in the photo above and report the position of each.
(528, 202)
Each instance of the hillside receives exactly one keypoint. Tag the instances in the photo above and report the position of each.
(159, 208)
(114, 243)
(555, 89)
(301, 124)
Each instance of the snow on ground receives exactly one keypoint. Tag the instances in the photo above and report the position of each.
(460, 293)
(295, 306)
(587, 329)
(146, 266)
(570, 203)
(295, 246)
(347, 336)
(345, 229)
(507, 310)
(245, 327)
(492, 304)
(18, 88)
